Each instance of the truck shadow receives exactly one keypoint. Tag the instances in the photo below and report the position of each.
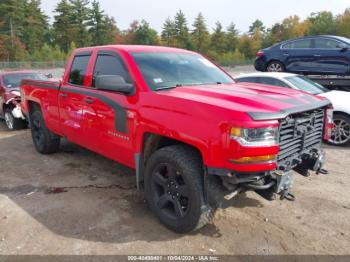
(78, 194)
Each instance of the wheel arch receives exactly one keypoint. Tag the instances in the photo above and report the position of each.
(150, 143)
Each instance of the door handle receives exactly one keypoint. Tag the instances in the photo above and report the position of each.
(285, 54)
(317, 55)
(63, 95)
(88, 100)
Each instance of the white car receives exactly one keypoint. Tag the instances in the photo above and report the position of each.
(339, 99)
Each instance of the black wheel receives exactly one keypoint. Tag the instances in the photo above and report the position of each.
(341, 132)
(11, 122)
(174, 189)
(44, 140)
(275, 66)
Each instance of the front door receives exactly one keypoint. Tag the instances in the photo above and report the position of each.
(107, 116)
(329, 56)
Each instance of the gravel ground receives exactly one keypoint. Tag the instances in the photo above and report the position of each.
(77, 202)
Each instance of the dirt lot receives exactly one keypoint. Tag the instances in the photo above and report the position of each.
(100, 212)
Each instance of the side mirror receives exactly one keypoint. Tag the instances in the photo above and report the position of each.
(343, 47)
(113, 83)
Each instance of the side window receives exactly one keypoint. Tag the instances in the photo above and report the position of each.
(78, 69)
(298, 44)
(247, 80)
(272, 82)
(110, 65)
(325, 43)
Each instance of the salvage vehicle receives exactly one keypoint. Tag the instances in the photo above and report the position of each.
(10, 100)
(190, 132)
(311, 55)
(339, 99)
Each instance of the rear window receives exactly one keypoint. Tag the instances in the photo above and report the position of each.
(14, 80)
(78, 69)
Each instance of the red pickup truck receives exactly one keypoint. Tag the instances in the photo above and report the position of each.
(183, 123)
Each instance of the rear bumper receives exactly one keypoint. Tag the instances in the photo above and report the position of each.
(260, 64)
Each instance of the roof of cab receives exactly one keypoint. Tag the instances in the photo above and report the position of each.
(136, 48)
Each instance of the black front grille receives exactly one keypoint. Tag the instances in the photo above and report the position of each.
(299, 134)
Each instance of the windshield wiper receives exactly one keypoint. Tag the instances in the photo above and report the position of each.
(169, 87)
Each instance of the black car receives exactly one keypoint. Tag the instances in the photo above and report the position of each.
(318, 55)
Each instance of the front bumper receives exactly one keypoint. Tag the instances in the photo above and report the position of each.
(269, 183)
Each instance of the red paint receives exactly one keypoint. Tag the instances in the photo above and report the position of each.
(198, 116)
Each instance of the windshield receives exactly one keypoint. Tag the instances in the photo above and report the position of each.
(169, 70)
(14, 80)
(305, 84)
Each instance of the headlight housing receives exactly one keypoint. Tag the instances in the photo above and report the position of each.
(266, 136)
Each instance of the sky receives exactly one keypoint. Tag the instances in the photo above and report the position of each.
(242, 13)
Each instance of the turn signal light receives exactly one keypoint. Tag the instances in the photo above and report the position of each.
(254, 159)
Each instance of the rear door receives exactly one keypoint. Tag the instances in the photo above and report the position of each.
(329, 56)
(71, 99)
(297, 55)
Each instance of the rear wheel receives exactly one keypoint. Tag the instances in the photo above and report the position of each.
(44, 140)
(275, 66)
(341, 132)
(174, 189)
(11, 122)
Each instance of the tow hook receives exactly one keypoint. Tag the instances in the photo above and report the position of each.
(286, 195)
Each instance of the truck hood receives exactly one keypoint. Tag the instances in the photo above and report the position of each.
(261, 102)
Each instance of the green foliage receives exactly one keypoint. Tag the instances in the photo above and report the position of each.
(144, 35)
(218, 39)
(200, 35)
(322, 23)
(25, 33)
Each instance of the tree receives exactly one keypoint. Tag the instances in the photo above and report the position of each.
(144, 35)
(62, 26)
(12, 19)
(79, 19)
(36, 26)
(231, 38)
(218, 39)
(102, 28)
(183, 39)
(343, 24)
(257, 25)
(168, 35)
(200, 34)
(322, 23)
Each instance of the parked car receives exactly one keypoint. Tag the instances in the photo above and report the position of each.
(339, 99)
(182, 123)
(10, 98)
(318, 55)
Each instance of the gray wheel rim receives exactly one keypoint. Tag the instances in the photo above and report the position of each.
(9, 120)
(274, 67)
(341, 132)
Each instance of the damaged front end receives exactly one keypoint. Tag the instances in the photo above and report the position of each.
(300, 138)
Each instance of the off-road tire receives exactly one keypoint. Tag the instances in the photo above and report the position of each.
(44, 140)
(15, 123)
(188, 165)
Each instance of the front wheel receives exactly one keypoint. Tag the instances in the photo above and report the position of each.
(341, 132)
(174, 188)
(275, 66)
